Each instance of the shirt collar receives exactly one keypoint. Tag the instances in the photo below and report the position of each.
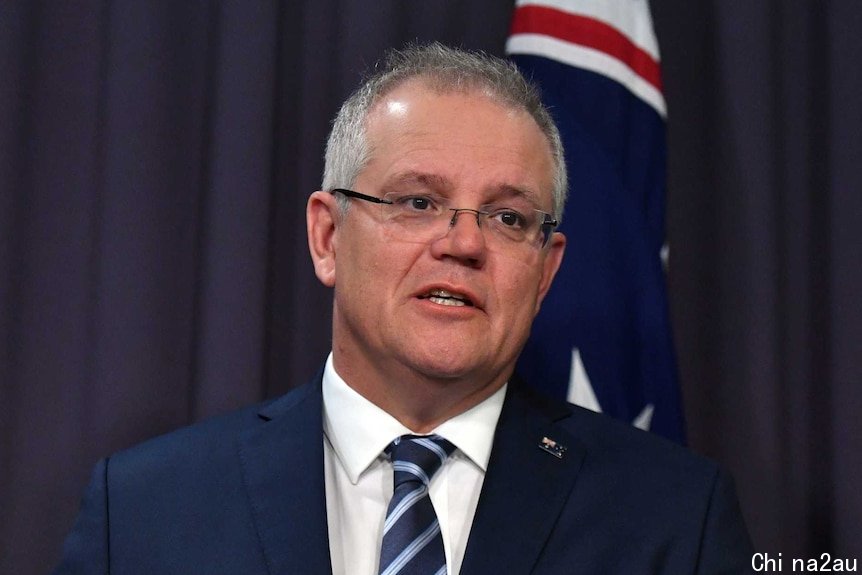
(359, 431)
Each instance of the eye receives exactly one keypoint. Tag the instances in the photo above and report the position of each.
(414, 204)
(419, 203)
(510, 219)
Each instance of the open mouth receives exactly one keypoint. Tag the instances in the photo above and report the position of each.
(443, 297)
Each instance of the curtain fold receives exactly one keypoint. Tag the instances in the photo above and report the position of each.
(764, 117)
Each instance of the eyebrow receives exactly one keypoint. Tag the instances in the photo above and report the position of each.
(514, 191)
(441, 184)
(433, 181)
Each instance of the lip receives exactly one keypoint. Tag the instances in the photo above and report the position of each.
(475, 301)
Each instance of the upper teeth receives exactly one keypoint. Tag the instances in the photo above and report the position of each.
(444, 297)
(444, 293)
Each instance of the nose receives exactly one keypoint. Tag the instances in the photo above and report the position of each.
(464, 239)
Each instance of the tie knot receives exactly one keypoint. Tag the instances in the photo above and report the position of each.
(418, 457)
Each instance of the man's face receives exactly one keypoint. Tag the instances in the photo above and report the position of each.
(471, 151)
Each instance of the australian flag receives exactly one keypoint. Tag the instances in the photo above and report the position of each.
(603, 337)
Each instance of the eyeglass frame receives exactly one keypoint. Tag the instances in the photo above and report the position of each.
(549, 221)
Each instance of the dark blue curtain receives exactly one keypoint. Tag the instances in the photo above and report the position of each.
(155, 158)
(765, 228)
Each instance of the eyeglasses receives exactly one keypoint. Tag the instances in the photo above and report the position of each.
(420, 217)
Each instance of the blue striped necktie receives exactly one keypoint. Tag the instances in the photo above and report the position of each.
(412, 544)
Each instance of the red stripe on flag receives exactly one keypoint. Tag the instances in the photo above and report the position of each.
(587, 32)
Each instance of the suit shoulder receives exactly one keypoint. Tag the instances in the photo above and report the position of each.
(615, 447)
(641, 454)
(208, 439)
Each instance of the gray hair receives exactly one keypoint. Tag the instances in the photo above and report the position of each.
(447, 70)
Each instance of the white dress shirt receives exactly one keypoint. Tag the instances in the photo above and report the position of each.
(359, 476)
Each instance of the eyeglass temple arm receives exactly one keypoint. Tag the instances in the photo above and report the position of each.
(358, 196)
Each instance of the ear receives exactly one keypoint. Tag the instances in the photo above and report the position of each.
(551, 264)
(321, 218)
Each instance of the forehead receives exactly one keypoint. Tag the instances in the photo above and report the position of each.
(463, 139)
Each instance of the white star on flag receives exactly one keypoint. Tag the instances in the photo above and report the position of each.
(581, 393)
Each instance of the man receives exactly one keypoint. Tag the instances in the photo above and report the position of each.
(444, 181)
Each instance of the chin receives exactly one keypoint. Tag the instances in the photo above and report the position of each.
(445, 364)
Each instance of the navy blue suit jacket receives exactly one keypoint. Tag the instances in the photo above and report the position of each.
(245, 494)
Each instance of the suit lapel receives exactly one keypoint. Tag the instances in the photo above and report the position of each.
(282, 462)
(524, 490)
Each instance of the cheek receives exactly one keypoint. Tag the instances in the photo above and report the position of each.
(517, 293)
(517, 279)
(379, 271)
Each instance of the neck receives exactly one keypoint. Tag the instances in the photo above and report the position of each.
(419, 401)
